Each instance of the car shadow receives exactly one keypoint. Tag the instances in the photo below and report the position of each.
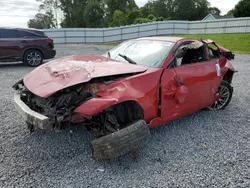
(15, 64)
(73, 143)
(69, 149)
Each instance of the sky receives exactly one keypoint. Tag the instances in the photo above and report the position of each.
(16, 13)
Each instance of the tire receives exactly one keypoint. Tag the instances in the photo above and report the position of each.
(118, 143)
(229, 89)
(33, 58)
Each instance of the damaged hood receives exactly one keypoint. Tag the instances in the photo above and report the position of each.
(61, 73)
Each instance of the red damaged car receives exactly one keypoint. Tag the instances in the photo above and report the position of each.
(140, 84)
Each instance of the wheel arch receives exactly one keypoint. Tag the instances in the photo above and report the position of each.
(97, 105)
(128, 111)
(228, 77)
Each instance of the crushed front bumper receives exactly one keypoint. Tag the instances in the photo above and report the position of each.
(38, 121)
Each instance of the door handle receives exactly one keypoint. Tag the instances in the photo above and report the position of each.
(24, 41)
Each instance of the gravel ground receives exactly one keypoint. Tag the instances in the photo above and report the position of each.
(206, 149)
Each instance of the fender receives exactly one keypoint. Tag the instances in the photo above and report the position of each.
(129, 89)
(96, 105)
(118, 93)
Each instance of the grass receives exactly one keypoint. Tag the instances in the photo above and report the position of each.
(238, 43)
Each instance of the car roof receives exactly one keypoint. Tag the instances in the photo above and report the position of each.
(162, 38)
(24, 29)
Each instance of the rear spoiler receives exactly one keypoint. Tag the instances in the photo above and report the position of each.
(222, 51)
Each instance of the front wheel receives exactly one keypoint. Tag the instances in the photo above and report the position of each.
(225, 92)
(33, 58)
(122, 141)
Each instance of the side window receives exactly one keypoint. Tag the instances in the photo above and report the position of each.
(29, 34)
(190, 53)
(8, 33)
(212, 51)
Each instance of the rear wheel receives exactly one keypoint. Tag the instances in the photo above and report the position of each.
(225, 92)
(33, 58)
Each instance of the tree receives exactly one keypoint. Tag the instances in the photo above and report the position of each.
(214, 10)
(51, 7)
(118, 19)
(73, 13)
(42, 21)
(230, 12)
(132, 15)
(242, 9)
(100, 13)
(121, 5)
(190, 9)
(201, 9)
(141, 20)
(94, 14)
(185, 10)
(159, 8)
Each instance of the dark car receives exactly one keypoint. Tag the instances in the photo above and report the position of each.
(28, 45)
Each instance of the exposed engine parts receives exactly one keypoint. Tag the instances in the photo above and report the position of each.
(60, 107)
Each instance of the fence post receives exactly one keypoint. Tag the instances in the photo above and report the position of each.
(224, 27)
(84, 31)
(174, 28)
(103, 35)
(156, 28)
(139, 30)
(247, 23)
(65, 37)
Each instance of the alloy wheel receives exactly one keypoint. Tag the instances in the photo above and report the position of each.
(224, 92)
(34, 58)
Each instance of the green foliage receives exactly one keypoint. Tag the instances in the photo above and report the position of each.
(73, 13)
(191, 9)
(242, 9)
(118, 19)
(141, 20)
(231, 12)
(42, 21)
(51, 7)
(161, 19)
(94, 14)
(113, 13)
(122, 5)
(214, 10)
(151, 17)
(132, 15)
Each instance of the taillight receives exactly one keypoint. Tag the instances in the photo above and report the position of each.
(51, 42)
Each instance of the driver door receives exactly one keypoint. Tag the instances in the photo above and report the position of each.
(196, 82)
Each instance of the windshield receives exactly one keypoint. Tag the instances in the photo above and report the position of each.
(149, 53)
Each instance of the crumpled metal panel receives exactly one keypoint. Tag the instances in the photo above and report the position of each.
(65, 72)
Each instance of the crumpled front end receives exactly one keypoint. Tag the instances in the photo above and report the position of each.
(60, 108)
(50, 112)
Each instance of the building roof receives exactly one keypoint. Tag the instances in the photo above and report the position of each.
(222, 17)
(217, 17)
